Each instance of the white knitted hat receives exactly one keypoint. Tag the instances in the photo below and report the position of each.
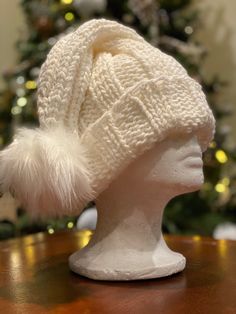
(105, 96)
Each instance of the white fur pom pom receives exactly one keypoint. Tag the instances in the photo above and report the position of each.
(46, 170)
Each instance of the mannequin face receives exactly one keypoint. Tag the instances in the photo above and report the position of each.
(173, 165)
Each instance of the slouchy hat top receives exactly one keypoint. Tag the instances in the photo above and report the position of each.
(105, 95)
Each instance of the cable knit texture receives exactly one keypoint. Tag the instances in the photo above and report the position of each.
(119, 95)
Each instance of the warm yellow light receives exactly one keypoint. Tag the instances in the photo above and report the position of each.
(220, 188)
(221, 156)
(51, 231)
(66, 1)
(188, 30)
(21, 102)
(222, 247)
(15, 265)
(84, 238)
(30, 85)
(16, 110)
(30, 254)
(212, 144)
(70, 225)
(196, 238)
(20, 92)
(69, 16)
(225, 181)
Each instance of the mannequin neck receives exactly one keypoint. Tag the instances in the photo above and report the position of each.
(128, 243)
(130, 217)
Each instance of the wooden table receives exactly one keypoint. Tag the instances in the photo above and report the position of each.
(35, 278)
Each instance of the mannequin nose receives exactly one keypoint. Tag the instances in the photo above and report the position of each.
(193, 138)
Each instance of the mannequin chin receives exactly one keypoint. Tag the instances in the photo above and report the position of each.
(128, 242)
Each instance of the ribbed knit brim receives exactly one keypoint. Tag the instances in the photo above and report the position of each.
(144, 116)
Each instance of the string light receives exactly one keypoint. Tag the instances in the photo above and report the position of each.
(220, 188)
(222, 185)
(221, 156)
(70, 225)
(30, 85)
(21, 102)
(188, 30)
(20, 92)
(20, 80)
(69, 16)
(16, 110)
(226, 181)
(66, 1)
(51, 230)
(212, 144)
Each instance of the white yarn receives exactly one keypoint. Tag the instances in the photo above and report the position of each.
(46, 170)
(114, 96)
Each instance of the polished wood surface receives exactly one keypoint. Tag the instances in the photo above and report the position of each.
(35, 278)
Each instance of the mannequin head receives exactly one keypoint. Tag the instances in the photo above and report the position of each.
(128, 242)
(170, 168)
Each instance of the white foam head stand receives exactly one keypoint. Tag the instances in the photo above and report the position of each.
(128, 242)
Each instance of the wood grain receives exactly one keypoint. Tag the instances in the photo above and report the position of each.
(35, 278)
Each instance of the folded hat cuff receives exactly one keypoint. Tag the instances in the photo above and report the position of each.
(147, 113)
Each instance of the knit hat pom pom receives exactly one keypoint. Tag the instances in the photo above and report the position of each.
(46, 170)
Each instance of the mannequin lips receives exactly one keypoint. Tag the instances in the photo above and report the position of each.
(194, 158)
(193, 154)
(196, 162)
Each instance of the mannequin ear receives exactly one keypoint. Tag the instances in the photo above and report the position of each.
(46, 170)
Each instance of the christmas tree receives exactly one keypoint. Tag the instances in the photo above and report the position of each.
(166, 24)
